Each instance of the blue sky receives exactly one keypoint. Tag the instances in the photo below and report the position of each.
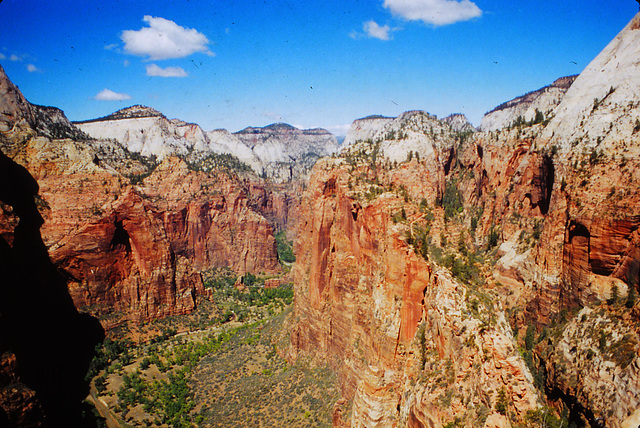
(231, 64)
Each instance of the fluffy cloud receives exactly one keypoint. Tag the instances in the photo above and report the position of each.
(2, 56)
(154, 70)
(15, 57)
(372, 29)
(32, 68)
(108, 95)
(435, 12)
(164, 39)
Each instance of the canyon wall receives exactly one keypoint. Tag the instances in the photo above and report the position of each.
(482, 279)
(129, 234)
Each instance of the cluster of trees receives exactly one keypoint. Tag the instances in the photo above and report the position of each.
(241, 304)
(107, 352)
(520, 120)
(284, 247)
(218, 161)
(451, 200)
(170, 400)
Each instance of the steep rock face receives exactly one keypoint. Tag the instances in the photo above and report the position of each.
(121, 263)
(18, 112)
(286, 152)
(14, 104)
(133, 252)
(557, 215)
(138, 254)
(365, 129)
(596, 361)
(603, 101)
(388, 320)
(279, 203)
(544, 100)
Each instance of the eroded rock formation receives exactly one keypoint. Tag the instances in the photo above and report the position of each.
(537, 223)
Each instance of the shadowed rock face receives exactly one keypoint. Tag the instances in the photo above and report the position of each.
(131, 249)
(52, 343)
(139, 255)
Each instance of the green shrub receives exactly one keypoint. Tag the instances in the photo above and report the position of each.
(493, 237)
(451, 200)
(501, 402)
(529, 337)
(632, 297)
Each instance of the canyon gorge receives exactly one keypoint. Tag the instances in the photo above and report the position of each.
(448, 276)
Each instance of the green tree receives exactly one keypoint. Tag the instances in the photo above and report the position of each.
(615, 294)
(284, 248)
(539, 118)
(632, 296)
(493, 238)
(501, 402)
(529, 337)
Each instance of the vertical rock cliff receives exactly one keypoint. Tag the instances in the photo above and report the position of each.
(129, 234)
(456, 278)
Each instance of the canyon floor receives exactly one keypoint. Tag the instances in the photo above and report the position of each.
(216, 372)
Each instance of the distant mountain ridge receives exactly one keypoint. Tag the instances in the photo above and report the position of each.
(278, 151)
(135, 111)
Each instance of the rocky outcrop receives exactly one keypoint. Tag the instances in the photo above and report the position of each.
(459, 123)
(223, 141)
(365, 129)
(603, 101)
(534, 106)
(390, 321)
(135, 251)
(595, 364)
(18, 112)
(146, 131)
(287, 153)
(553, 215)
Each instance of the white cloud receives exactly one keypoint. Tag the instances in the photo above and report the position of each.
(32, 68)
(2, 56)
(126, 63)
(154, 70)
(15, 57)
(111, 46)
(372, 29)
(108, 95)
(164, 39)
(435, 12)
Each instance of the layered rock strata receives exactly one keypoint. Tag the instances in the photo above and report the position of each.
(551, 208)
(130, 234)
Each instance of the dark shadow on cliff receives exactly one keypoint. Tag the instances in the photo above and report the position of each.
(53, 343)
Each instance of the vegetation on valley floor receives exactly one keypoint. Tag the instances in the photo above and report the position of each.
(226, 376)
(228, 371)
